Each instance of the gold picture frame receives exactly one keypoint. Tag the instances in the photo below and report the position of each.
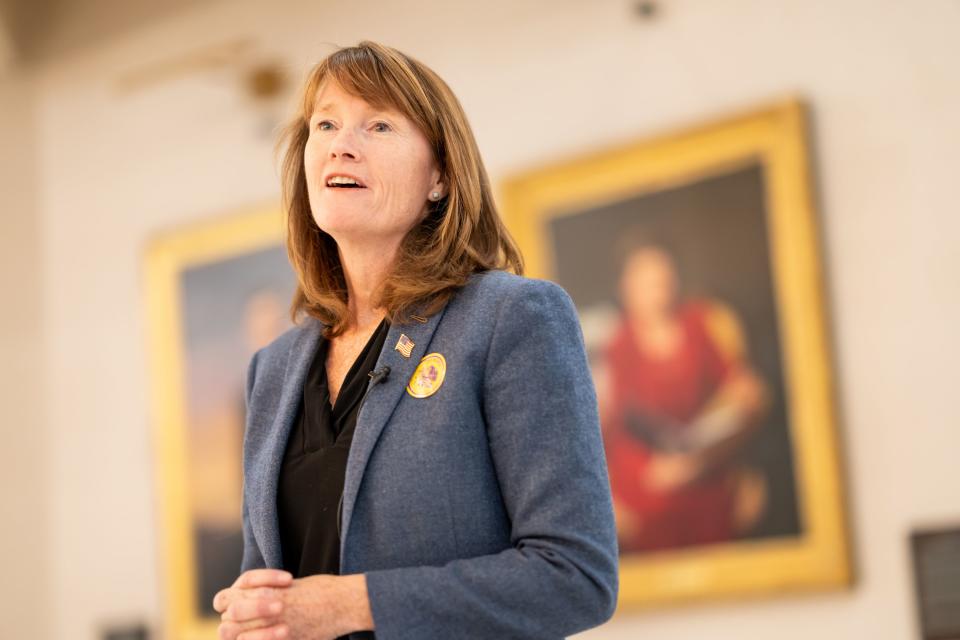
(772, 142)
(199, 476)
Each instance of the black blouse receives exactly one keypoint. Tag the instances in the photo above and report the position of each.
(315, 462)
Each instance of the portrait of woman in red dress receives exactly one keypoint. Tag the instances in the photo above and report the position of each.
(680, 401)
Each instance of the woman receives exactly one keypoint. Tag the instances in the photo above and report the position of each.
(682, 401)
(449, 399)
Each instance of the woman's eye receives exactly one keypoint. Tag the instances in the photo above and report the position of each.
(323, 122)
(381, 126)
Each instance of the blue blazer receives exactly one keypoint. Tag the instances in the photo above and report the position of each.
(480, 511)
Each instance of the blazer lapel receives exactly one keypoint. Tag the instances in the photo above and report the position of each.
(298, 362)
(380, 402)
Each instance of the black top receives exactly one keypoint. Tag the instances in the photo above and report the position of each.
(315, 462)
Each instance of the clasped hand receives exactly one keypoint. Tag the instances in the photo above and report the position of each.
(263, 604)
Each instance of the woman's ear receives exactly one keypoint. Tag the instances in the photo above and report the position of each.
(438, 185)
(437, 191)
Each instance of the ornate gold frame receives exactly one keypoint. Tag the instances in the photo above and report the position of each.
(776, 136)
(167, 257)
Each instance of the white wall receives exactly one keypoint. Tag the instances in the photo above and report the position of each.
(539, 80)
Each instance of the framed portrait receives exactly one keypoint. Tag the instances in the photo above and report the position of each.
(216, 292)
(694, 263)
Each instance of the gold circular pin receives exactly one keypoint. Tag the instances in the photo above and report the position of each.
(428, 376)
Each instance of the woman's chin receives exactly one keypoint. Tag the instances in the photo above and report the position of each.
(343, 222)
(354, 234)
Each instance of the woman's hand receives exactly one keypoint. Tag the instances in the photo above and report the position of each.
(629, 521)
(322, 607)
(251, 607)
(319, 607)
(671, 471)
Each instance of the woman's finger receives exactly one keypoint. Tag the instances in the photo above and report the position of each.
(269, 633)
(259, 629)
(263, 578)
(251, 608)
(224, 597)
(262, 593)
(259, 581)
(222, 600)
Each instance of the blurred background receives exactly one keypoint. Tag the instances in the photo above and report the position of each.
(121, 120)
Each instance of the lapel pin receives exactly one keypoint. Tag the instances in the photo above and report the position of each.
(404, 345)
(428, 376)
(418, 318)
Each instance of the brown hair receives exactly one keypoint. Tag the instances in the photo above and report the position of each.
(461, 234)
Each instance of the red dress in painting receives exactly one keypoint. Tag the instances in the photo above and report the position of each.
(669, 392)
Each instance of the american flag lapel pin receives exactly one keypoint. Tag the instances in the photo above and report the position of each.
(404, 345)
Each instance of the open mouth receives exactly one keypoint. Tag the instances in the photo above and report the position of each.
(344, 182)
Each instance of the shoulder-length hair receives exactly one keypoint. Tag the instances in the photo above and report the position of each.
(462, 232)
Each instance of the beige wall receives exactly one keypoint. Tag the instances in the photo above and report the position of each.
(538, 80)
(24, 467)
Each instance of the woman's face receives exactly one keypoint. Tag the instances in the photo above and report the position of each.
(384, 152)
(648, 283)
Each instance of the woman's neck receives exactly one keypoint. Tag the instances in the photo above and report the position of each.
(364, 269)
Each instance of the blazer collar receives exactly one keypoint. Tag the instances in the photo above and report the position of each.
(377, 408)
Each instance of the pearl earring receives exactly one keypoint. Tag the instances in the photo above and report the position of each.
(435, 195)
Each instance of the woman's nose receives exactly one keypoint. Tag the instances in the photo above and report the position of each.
(345, 144)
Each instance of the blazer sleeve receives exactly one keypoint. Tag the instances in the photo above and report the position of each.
(252, 558)
(561, 574)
